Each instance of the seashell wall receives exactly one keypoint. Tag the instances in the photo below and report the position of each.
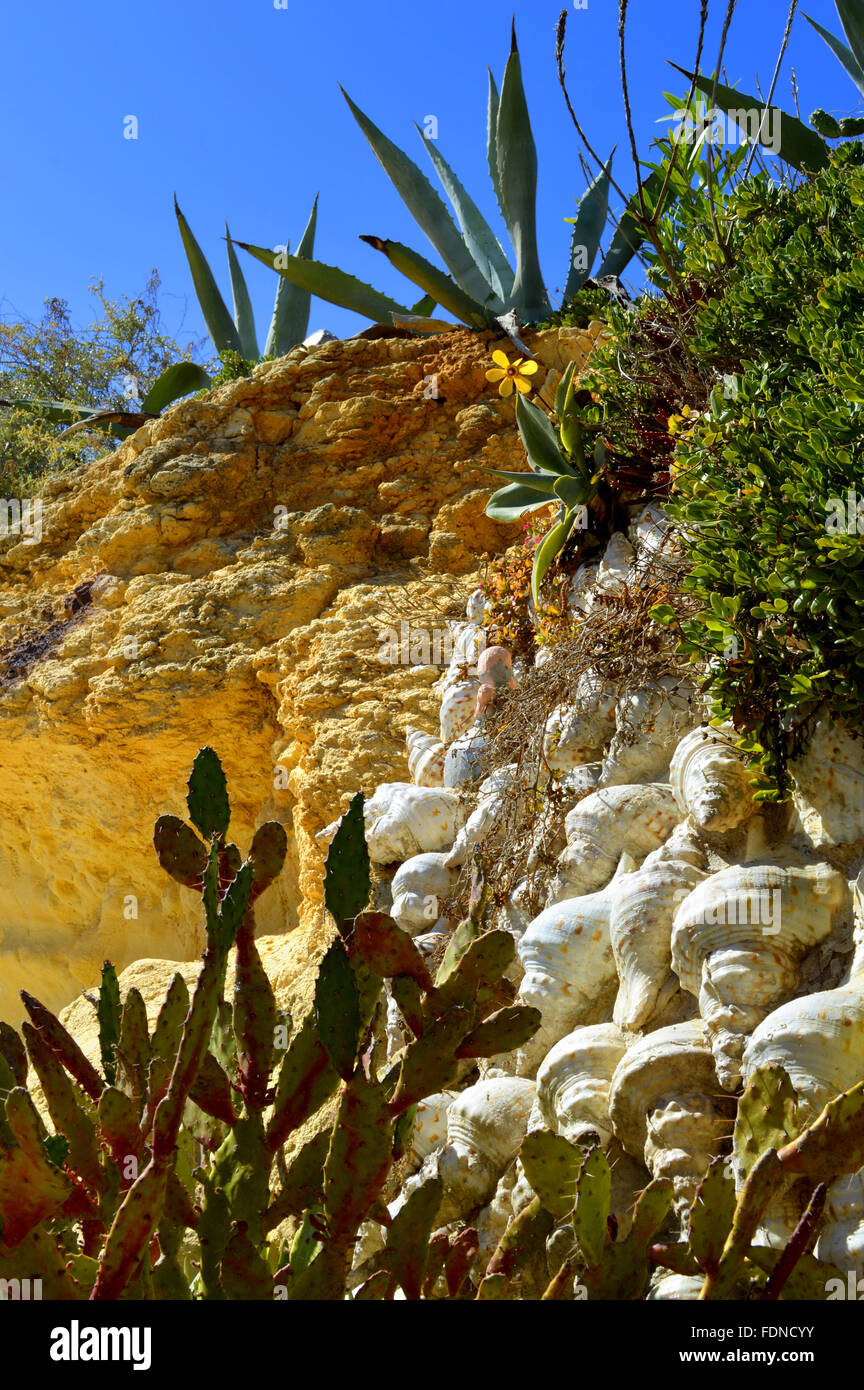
(688, 935)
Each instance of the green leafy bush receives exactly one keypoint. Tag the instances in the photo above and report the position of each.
(768, 481)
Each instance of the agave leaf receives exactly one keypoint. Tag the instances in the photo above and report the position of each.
(327, 282)
(587, 230)
(421, 323)
(492, 142)
(425, 207)
(537, 482)
(838, 47)
(799, 145)
(553, 542)
(511, 502)
(517, 172)
(574, 492)
(177, 380)
(290, 322)
(421, 272)
(479, 236)
(244, 317)
(538, 436)
(219, 323)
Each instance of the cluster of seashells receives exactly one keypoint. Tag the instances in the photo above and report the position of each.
(690, 934)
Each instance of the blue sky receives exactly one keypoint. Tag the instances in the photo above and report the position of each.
(239, 111)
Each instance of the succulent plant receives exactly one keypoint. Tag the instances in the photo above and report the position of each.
(290, 321)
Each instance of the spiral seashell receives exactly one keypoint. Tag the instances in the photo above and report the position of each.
(640, 930)
(738, 940)
(569, 969)
(475, 609)
(574, 1079)
(425, 758)
(484, 819)
(648, 726)
(485, 1127)
(828, 789)
(819, 1042)
(601, 826)
(652, 533)
(710, 781)
(675, 1286)
(578, 733)
(616, 567)
(417, 886)
(665, 1106)
(403, 820)
(430, 1124)
(464, 759)
(457, 709)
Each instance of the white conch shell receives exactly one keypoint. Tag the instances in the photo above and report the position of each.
(710, 781)
(425, 758)
(738, 940)
(666, 1286)
(829, 786)
(485, 1127)
(417, 886)
(819, 1041)
(616, 567)
(648, 727)
(577, 733)
(569, 969)
(457, 708)
(605, 823)
(574, 1079)
(580, 591)
(475, 609)
(640, 930)
(464, 759)
(665, 1107)
(652, 533)
(430, 1124)
(403, 820)
(492, 797)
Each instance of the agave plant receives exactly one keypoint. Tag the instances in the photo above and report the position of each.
(176, 381)
(484, 287)
(803, 148)
(290, 322)
(569, 477)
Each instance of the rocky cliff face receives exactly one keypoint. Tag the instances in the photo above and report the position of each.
(225, 578)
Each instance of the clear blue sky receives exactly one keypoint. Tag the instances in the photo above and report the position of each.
(239, 111)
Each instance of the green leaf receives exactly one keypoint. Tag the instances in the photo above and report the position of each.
(479, 237)
(839, 49)
(407, 1251)
(346, 871)
(328, 282)
(539, 439)
(799, 145)
(572, 491)
(552, 1165)
(207, 797)
(337, 1009)
(553, 542)
(588, 228)
(290, 322)
(109, 1012)
(511, 502)
(517, 173)
(543, 483)
(219, 323)
(177, 380)
(244, 318)
(425, 207)
(423, 273)
(492, 142)
(592, 1207)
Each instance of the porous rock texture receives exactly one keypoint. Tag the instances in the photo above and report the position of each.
(224, 578)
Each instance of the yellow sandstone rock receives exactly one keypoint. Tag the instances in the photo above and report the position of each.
(224, 578)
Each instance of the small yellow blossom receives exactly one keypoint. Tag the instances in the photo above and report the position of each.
(511, 374)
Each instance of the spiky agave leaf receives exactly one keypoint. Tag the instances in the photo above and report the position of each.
(517, 173)
(429, 278)
(219, 323)
(588, 227)
(838, 47)
(244, 317)
(479, 236)
(328, 282)
(290, 322)
(425, 207)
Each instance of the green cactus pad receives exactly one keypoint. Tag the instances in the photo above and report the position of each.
(591, 1212)
(429, 1063)
(767, 1115)
(346, 872)
(109, 1013)
(267, 854)
(387, 949)
(552, 1165)
(337, 1009)
(207, 799)
(502, 1032)
(359, 1158)
(179, 851)
(407, 1247)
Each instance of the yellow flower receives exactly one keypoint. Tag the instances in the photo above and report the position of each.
(511, 374)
